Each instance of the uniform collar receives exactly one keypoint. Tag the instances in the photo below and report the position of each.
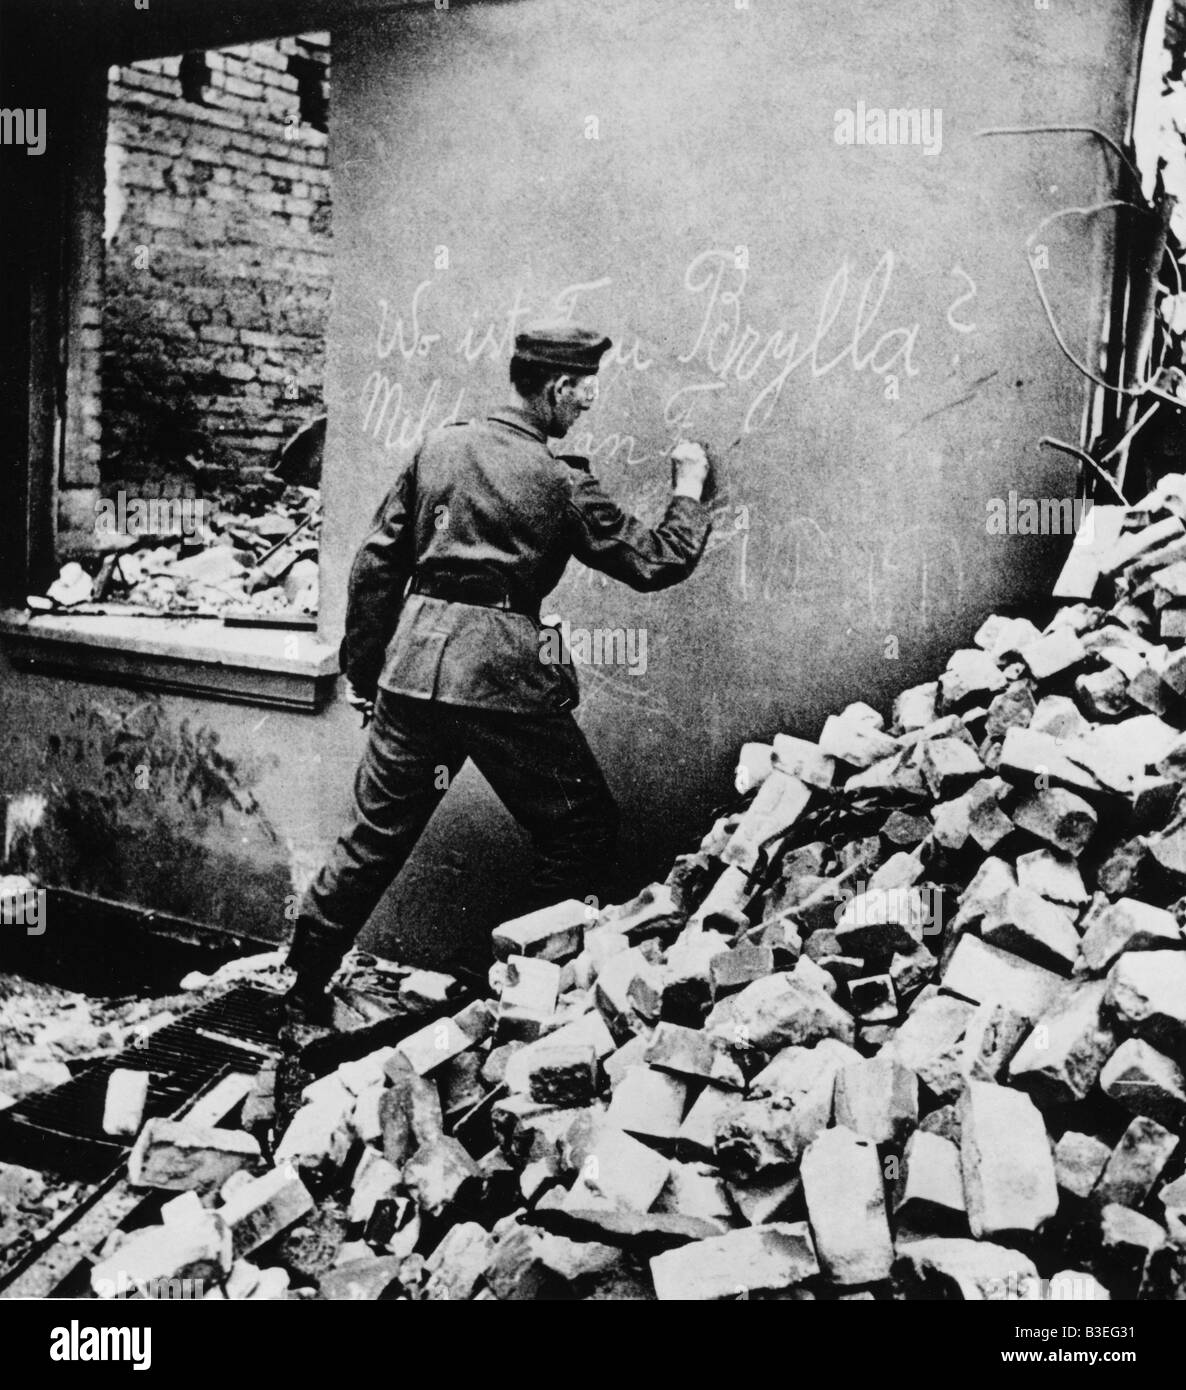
(516, 418)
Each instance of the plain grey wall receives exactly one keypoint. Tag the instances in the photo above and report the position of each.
(851, 553)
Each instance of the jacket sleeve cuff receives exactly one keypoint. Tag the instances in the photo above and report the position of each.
(690, 509)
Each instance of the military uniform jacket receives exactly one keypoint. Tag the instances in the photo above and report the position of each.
(488, 498)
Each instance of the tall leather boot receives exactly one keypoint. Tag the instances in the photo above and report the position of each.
(315, 960)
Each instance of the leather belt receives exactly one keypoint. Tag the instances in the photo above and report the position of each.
(480, 590)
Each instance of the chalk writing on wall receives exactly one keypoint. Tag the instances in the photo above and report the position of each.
(727, 352)
(730, 367)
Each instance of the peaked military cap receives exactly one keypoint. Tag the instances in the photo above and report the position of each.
(558, 343)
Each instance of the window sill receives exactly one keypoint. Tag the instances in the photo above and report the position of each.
(257, 666)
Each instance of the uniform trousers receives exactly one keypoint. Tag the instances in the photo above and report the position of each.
(539, 765)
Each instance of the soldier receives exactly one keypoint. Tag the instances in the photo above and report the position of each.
(442, 651)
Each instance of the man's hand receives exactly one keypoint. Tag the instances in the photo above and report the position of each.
(692, 471)
(365, 706)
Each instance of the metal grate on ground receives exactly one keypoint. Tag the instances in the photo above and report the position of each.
(62, 1130)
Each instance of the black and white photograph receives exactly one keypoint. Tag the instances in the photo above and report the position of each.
(592, 669)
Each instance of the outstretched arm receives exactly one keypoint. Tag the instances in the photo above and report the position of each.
(608, 539)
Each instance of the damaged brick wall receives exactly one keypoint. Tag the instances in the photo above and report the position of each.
(203, 335)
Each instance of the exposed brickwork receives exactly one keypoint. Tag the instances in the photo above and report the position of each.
(215, 280)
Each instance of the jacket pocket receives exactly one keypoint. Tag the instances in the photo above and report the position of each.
(413, 660)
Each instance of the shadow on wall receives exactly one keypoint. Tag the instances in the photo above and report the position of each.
(132, 807)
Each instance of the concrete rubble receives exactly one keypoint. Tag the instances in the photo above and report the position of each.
(909, 1023)
(49, 1034)
(249, 552)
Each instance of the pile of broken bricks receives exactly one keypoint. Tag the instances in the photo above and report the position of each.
(910, 1023)
(234, 564)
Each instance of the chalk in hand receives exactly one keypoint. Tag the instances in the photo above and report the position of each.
(688, 451)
